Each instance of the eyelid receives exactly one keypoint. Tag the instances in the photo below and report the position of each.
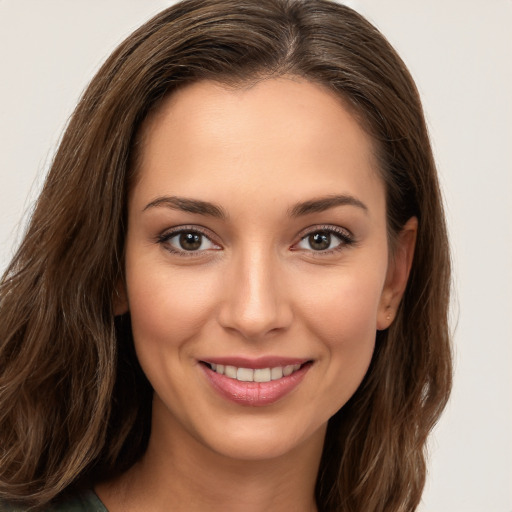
(170, 233)
(345, 235)
(332, 228)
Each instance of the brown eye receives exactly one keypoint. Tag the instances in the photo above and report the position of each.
(320, 241)
(325, 240)
(187, 242)
(190, 241)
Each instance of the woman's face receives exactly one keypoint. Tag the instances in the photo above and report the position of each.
(257, 265)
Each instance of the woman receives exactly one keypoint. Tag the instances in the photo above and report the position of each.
(233, 290)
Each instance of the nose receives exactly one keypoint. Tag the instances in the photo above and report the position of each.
(255, 302)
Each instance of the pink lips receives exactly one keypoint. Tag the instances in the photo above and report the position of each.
(255, 394)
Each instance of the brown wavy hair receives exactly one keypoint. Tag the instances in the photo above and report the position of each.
(74, 403)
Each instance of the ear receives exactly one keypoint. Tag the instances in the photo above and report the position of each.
(398, 274)
(120, 298)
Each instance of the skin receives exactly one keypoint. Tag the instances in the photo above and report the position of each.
(255, 287)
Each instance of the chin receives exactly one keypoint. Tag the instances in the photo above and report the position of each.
(262, 440)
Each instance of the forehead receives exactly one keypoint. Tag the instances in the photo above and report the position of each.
(275, 131)
(265, 106)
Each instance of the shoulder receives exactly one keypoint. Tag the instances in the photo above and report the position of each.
(86, 501)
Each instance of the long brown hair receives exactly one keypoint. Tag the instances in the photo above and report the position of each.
(74, 404)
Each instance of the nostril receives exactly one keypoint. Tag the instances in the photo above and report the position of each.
(255, 321)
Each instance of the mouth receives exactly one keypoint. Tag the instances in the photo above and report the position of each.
(255, 383)
(242, 374)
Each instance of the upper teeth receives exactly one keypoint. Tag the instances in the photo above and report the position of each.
(258, 375)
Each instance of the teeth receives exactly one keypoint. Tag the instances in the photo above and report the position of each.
(230, 371)
(258, 375)
(276, 373)
(245, 375)
(262, 375)
(288, 370)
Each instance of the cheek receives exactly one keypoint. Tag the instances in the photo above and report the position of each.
(345, 322)
(348, 328)
(168, 307)
(169, 310)
(344, 308)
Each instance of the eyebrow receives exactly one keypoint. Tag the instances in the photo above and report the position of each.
(210, 209)
(325, 203)
(188, 205)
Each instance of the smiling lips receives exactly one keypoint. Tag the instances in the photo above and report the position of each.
(255, 375)
(255, 383)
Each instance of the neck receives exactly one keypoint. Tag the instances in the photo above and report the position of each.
(178, 470)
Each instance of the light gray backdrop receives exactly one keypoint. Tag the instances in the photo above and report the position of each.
(460, 53)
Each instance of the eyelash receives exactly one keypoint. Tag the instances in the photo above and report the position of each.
(344, 236)
(169, 235)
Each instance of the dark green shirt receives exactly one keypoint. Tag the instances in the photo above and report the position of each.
(86, 501)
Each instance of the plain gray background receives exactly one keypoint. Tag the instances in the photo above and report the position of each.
(460, 53)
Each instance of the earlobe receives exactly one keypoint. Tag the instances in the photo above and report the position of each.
(398, 274)
(120, 299)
